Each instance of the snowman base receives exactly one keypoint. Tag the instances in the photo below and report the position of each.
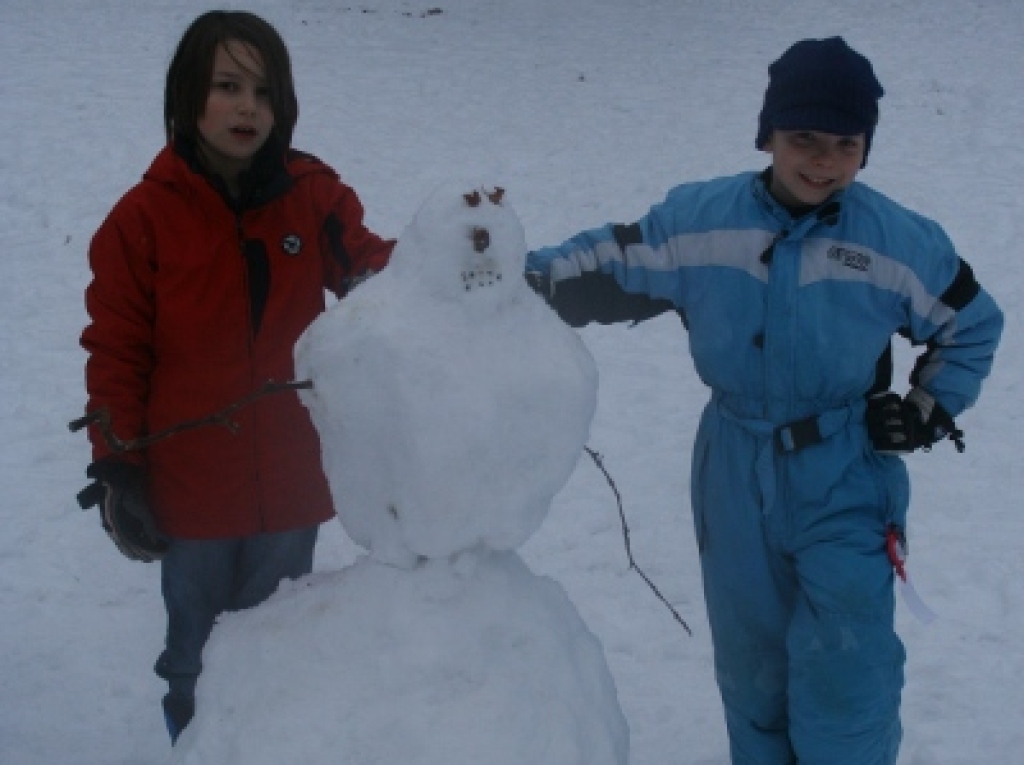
(455, 662)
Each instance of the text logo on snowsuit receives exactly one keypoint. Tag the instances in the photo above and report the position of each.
(850, 258)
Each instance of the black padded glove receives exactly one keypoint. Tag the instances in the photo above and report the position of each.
(539, 283)
(902, 425)
(120, 492)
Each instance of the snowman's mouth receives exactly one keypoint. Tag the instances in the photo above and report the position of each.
(480, 276)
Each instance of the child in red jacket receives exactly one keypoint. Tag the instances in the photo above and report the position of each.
(204, 276)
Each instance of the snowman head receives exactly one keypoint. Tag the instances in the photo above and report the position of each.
(465, 244)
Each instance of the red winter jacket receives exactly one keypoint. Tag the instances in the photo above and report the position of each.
(194, 305)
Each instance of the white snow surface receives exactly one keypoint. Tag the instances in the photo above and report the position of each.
(585, 111)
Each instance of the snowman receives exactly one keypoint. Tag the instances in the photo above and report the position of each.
(452, 405)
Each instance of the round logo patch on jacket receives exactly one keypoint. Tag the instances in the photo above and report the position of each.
(291, 244)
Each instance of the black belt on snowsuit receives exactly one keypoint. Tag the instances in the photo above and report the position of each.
(799, 434)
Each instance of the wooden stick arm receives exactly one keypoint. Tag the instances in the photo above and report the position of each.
(101, 418)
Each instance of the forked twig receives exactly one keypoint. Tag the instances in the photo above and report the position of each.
(101, 418)
(625, 535)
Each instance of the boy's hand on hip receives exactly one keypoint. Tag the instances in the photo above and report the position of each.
(902, 425)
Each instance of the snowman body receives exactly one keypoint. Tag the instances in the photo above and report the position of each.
(481, 661)
(458, 402)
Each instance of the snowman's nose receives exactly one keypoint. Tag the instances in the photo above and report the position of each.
(481, 238)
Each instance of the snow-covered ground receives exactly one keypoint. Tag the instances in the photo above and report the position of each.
(586, 110)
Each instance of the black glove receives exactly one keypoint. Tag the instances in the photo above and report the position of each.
(539, 283)
(901, 425)
(120, 492)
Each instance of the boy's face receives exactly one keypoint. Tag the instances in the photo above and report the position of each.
(808, 166)
(238, 118)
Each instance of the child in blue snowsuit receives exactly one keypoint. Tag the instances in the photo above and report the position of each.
(791, 283)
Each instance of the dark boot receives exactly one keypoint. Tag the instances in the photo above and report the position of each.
(178, 711)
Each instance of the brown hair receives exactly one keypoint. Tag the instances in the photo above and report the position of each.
(191, 71)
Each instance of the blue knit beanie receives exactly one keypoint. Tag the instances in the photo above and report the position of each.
(821, 85)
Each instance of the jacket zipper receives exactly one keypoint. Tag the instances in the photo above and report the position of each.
(250, 354)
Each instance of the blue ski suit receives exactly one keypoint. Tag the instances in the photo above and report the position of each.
(790, 324)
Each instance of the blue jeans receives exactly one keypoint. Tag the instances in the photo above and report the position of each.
(201, 578)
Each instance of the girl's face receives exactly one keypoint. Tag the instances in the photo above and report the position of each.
(237, 119)
(808, 166)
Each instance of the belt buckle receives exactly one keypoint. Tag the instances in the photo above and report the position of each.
(798, 435)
